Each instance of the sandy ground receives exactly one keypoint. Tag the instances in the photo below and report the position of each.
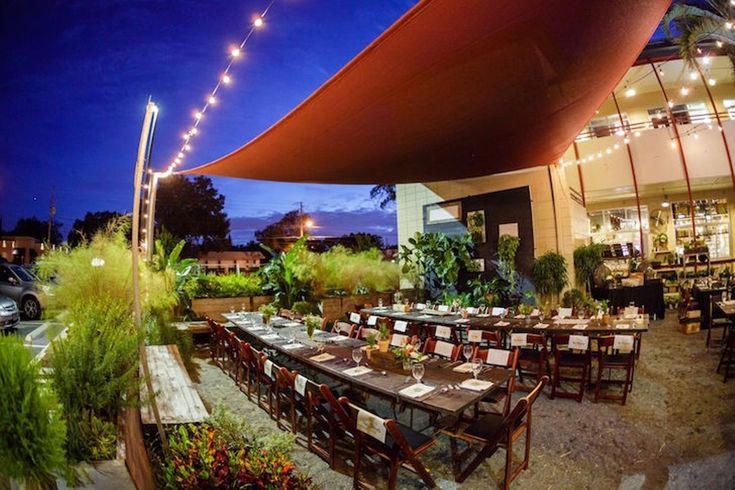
(677, 429)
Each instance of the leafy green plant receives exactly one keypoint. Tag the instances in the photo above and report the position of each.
(587, 258)
(574, 298)
(340, 270)
(281, 278)
(549, 275)
(224, 286)
(94, 367)
(433, 261)
(372, 340)
(312, 323)
(383, 329)
(268, 311)
(305, 308)
(32, 432)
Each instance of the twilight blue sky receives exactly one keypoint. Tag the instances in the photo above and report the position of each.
(76, 76)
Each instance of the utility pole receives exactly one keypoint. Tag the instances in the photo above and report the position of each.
(51, 214)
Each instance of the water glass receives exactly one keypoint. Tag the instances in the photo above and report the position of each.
(380, 302)
(476, 366)
(467, 351)
(357, 356)
(417, 370)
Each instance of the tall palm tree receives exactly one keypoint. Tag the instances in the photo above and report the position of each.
(689, 26)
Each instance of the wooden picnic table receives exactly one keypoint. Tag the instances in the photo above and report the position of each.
(386, 379)
(507, 325)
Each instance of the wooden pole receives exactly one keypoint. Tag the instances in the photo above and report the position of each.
(635, 179)
(146, 139)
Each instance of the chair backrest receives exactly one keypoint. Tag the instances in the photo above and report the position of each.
(570, 342)
(523, 407)
(497, 357)
(442, 348)
(344, 328)
(364, 332)
(443, 332)
(340, 414)
(609, 344)
(354, 317)
(398, 339)
(325, 324)
(532, 341)
(491, 337)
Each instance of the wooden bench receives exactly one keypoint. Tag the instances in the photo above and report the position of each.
(178, 401)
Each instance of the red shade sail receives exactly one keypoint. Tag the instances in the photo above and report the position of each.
(455, 89)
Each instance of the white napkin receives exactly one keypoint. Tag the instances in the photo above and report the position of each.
(476, 384)
(540, 325)
(400, 326)
(417, 390)
(502, 324)
(580, 326)
(357, 371)
(474, 336)
(518, 339)
(300, 384)
(622, 326)
(464, 368)
(322, 357)
(292, 346)
(372, 320)
(355, 317)
(338, 338)
(271, 336)
(291, 324)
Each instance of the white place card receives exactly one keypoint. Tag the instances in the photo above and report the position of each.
(518, 339)
(502, 324)
(443, 332)
(268, 368)
(357, 371)
(623, 343)
(443, 349)
(580, 326)
(293, 346)
(398, 340)
(355, 317)
(474, 336)
(372, 320)
(540, 325)
(443, 308)
(370, 424)
(622, 326)
(497, 357)
(417, 390)
(400, 326)
(420, 306)
(579, 342)
(476, 384)
(565, 312)
(300, 385)
(497, 311)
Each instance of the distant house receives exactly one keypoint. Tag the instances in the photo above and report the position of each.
(20, 250)
(230, 261)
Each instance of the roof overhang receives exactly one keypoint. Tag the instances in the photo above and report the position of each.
(455, 89)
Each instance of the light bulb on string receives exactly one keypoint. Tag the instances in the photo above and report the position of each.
(706, 60)
(684, 91)
(211, 100)
(712, 82)
(630, 92)
(719, 44)
(194, 131)
(187, 147)
(258, 22)
(197, 115)
(693, 75)
(235, 52)
(226, 79)
(181, 154)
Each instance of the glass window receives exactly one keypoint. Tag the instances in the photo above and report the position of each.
(619, 226)
(711, 221)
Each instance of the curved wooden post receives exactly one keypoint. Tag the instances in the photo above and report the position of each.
(579, 172)
(635, 179)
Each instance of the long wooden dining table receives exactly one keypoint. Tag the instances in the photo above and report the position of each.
(386, 377)
(527, 324)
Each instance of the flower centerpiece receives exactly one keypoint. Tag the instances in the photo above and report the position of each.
(312, 322)
(407, 354)
(267, 311)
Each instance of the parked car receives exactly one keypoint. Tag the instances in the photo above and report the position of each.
(20, 285)
(9, 315)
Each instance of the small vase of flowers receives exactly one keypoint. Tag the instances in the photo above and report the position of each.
(267, 312)
(407, 354)
(312, 322)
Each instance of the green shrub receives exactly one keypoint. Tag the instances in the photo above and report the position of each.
(587, 258)
(94, 367)
(31, 430)
(549, 274)
(574, 298)
(227, 286)
(305, 308)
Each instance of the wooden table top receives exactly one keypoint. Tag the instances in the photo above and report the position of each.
(525, 325)
(727, 307)
(387, 377)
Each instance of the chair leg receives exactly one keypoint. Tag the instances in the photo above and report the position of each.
(508, 464)
(555, 380)
(393, 474)
(599, 383)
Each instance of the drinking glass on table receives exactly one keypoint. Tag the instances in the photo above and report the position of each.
(357, 356)
(380, 302)
(476, 366)
(467, 351)
(418, 370)
(232, 310)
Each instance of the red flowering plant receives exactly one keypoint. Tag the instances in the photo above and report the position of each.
(201, 458)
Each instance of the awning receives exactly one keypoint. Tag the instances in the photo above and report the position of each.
(455, 89)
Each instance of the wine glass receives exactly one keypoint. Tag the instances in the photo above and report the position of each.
(476, 366)
(417, 370)
(467, 351)
(357, 356)
(242, 309)
(232, 310)
(380, 302)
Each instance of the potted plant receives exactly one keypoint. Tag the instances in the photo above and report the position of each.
(372, 344)
(384, 342)
(267, 311)
(312, 322)
(549, 274)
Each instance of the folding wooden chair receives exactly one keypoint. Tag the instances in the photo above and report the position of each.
(266, 379)
(494, 431)
(290, 397)
(532, 358)
(441, 348)
(364, 332)
(502, 358)
(216, 342)
(442, 332)
(248, 360)
(716, 323)
(484, 338)
(575, 357)
(615, 352)
(232, 346)
(344, 328)
(727, 359)
(395, 443)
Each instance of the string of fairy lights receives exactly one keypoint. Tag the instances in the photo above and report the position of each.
(236, 52)
(704, 65)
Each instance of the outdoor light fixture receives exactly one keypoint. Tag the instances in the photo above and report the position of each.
(693, 75)
(665, 202)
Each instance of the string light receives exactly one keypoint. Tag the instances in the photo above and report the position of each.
(712, 82)
(235, 52)
(630, 92)
(684, 91)
(719, 44)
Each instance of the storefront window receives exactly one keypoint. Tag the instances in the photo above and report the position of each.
(711, 221)
(619, 226)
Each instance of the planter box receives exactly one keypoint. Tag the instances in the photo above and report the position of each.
(214, 307)
(337, 307)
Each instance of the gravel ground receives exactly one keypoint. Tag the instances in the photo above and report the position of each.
(677, 429)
